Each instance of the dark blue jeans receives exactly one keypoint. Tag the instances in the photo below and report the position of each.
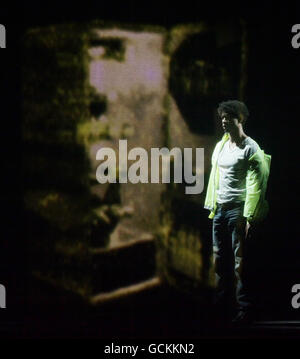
(230, 259)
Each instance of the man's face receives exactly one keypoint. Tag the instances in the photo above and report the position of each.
(229, 122)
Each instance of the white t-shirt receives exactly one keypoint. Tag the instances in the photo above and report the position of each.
(233, 166)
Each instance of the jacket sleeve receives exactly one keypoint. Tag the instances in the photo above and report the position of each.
(209, 198)
(254, 185)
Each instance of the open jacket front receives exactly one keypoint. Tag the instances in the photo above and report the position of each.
(256, 207)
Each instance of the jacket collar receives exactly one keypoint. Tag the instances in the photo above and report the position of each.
(225, 137)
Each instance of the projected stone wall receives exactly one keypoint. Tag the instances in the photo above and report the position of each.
(129, 72)
(85, 87)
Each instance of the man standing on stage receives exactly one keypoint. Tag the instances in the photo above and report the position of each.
(236, 200)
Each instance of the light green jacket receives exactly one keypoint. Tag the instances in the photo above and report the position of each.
(256, 207)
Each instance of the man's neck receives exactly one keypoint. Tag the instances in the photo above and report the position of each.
(237, 136)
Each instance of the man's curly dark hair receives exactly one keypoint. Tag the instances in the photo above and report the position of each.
(234, 108)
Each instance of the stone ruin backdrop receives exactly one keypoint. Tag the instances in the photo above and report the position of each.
(85, 86)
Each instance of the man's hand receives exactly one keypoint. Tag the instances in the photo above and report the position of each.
(248, 226)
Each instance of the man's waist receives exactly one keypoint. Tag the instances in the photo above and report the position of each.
(230, 205)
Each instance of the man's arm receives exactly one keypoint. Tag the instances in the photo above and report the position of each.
(256, 182)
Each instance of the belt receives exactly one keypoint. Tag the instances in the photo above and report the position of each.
(230, 205)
